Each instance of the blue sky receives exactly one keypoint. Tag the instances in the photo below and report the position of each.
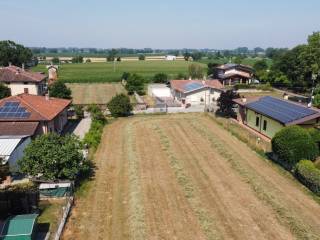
(159, 23)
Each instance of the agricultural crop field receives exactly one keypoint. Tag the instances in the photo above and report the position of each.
(183, 176)
(105, 72)
(94, 93)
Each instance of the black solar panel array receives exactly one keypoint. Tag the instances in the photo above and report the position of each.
(280, 110)
(12, 110)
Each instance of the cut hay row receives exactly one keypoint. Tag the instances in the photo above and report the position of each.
(284, 215)
(136, 208)
(206, 221)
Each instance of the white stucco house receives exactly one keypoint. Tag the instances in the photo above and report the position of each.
(196, 92)
(21, 81)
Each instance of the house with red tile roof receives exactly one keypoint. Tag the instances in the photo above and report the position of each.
(31, 115)
(196, 92)
(20, 81)
(25, 116)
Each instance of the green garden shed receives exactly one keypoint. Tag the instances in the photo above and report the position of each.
(19, 227)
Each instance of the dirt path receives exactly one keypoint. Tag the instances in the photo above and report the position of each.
(184, 177)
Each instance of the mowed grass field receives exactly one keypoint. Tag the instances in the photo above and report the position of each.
(94, 93)
(183, 176)
(104, 72)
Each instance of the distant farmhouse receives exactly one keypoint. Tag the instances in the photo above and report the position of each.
(170, 58)
(25, 116)
(20, 81)
(268, 115)
(231, 74)
(196, 92)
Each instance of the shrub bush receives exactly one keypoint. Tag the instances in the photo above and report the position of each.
(120, 106)
(160, 78)
(315, 135)
(307, 173)
(263, 87)
(93, 137)
(293, 144)
(78, 110)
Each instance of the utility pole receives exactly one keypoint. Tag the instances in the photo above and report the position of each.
(314, 77)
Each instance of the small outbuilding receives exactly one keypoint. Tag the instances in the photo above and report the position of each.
(19, 227)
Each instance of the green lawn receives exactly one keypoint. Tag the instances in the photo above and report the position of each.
(104, 72)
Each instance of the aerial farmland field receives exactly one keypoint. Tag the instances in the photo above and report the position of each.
(110, 72)
(184, 177)
(94, 93)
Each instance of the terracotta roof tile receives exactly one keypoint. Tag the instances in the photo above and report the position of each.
(16, 74)
(39, 107)
(18, 128)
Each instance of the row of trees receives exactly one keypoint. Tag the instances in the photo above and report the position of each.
(298, 68)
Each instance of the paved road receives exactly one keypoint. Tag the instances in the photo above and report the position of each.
(83, 127)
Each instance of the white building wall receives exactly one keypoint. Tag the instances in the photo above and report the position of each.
(33, 88)
(17, 154)
(207, 95)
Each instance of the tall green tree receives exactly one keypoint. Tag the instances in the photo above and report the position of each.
(17, 54)
(120, 106)
(59, 90)
(53, 157)
(142, 57)
(4, 91)
(135, 83)
(226, 104)
(186, 56)
(77, 59)
(55, 60)
(260, 65)
(160, 78)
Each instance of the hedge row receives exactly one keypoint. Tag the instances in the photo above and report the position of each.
(93, 137)
(307, 173)
(263, 87)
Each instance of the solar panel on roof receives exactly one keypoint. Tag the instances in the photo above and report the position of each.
(280, 110)
(192, 86)
(11, 104)
(11, 110)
